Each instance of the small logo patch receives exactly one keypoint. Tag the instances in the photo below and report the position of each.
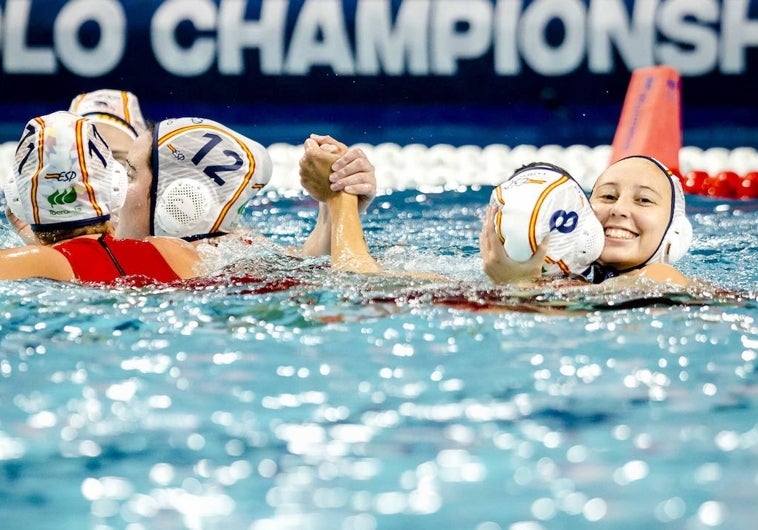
(63, 176)
(61, 197)
(174, 151)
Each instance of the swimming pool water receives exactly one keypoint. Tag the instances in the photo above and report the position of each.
(242, 405)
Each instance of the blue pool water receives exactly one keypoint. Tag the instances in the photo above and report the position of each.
(241, 405)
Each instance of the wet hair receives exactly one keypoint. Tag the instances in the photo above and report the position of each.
(49, 237)
(537, 165)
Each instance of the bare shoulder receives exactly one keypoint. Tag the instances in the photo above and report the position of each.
(662, 272)
(171, 244)
(179, 254)
(34, 261)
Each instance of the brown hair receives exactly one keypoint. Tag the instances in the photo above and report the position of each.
(49, 237)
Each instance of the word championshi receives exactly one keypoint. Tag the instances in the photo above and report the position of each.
(380, 37)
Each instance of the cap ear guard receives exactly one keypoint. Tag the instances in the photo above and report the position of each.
(119, 185)
(12, 197)
(677, 240)
(183, 207)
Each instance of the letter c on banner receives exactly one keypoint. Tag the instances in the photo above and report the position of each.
(101, 59)
(187, 61)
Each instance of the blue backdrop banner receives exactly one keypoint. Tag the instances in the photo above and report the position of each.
(508, 70)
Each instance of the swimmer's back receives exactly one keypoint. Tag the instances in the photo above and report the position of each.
(105, 259)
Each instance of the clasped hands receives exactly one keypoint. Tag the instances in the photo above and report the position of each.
(329, 166)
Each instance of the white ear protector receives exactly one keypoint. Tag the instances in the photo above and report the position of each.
(119, 185)
(203, 176)
(677, 240)
(183, 207)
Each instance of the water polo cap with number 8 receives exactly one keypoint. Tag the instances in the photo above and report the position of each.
(204, 174)
(541, 199)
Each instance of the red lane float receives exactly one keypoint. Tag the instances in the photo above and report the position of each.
(723, 185)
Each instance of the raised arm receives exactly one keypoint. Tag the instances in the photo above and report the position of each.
(315, 167)
(338, 224)
(348, 244)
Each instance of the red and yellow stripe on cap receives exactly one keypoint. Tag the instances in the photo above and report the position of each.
(536, 211)
(125, 108)
(82, 156)
(35, 177)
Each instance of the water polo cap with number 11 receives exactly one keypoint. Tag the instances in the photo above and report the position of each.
(63, 174)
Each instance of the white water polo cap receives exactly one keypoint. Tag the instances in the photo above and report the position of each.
(63, 174)
(541, 199)
(677, 238)
(118, 108)
(204, 174)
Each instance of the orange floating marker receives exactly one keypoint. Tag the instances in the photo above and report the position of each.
(651, 118)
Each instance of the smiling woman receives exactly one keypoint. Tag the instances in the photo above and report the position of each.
(644, 219)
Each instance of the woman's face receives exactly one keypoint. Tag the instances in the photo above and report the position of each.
(632, 200)
(134, 216)
(118, 141)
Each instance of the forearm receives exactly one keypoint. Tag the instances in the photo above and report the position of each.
(507, 271)
(319, 241)
(348, 245)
